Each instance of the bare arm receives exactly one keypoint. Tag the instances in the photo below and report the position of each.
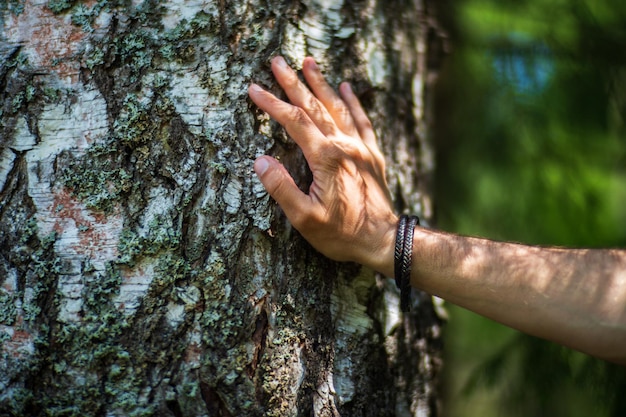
(574, 297)
(570, 296)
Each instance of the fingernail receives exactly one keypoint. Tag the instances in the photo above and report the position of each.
(280, 61)
(255, 87)
(313, 64)
(261, 165)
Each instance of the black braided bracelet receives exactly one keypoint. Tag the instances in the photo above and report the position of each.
(397, 253)
(403, 252)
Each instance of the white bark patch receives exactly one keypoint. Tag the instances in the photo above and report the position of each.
(135, 285)
(373, 52)
(294, 46)
(232, 196)
(200, 107)
(317, 35)
(23, 140)
(393, 315)
(10, 281)
(190, 98)
(323, 398)
(352, 323)
(48, 40)
(6, 165)
(73, 125)
(156, 221)
(70, 288)
(177, 10)
(82, 234)
(175, 314)
(322, 22)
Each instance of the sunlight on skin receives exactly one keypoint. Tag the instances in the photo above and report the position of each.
(575, 297)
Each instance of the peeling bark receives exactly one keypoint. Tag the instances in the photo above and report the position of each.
(143, 269)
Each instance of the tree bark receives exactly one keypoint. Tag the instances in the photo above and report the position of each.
(144, 270)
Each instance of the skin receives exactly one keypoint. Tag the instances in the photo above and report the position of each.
(575, 297)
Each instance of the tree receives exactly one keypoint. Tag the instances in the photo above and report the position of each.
(144, 269)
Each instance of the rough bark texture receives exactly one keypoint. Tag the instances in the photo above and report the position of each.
(143, 269)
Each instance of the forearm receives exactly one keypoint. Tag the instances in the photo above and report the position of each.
(575, 297)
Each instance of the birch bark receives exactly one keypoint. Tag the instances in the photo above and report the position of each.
(143, 269)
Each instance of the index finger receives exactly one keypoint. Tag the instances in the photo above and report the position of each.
(294, 119)
(301, 96)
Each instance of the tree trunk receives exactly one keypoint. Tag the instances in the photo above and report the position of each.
(144, 270)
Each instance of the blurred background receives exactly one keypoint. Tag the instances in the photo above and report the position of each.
(531, 143)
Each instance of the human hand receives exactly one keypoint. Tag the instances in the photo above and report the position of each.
(347, 214)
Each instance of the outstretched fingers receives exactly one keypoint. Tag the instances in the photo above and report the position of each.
(295, 120)
(361, 121)
(328, 97)
(300, 95)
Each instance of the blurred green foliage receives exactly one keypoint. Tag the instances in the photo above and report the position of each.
(531, 143)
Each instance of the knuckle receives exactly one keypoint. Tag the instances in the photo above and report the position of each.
(316, 111)
(312, 104)
(340, 108)
(298, 116)
(344, 117)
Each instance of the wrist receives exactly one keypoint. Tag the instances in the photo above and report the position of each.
(381, 256)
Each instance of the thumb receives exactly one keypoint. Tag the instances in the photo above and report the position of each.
(281, 186)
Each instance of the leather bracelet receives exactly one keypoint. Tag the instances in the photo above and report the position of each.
(397, 253)
(403, 252)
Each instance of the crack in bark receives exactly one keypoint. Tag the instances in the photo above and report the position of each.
(215, 406)
(259, 338)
